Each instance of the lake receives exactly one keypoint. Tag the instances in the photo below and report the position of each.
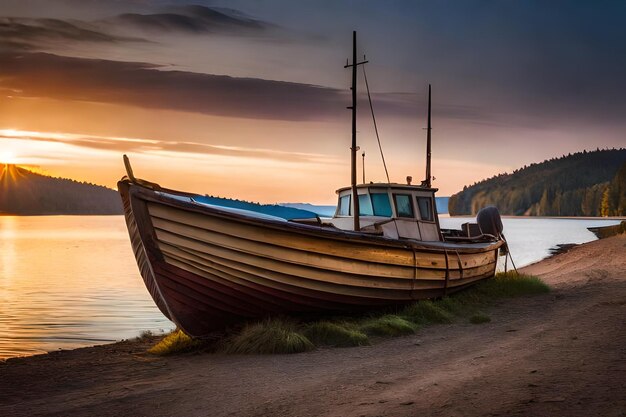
(69, 281)
(530, 239)
(72, 281)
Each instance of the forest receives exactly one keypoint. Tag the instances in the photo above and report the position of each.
(23, 192)
(580, 184)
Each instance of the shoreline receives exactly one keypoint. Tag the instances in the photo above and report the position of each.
(559, 353)
(508, 216)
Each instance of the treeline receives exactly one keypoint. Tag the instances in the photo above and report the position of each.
(579, 184)
(614, 197)
(23, 192)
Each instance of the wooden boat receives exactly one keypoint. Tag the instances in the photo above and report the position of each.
(209, 262)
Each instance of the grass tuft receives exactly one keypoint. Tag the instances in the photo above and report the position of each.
(427, 312)
(269, 336)
(480, 318)
(387, 326)
(326, 333)
(510, 284)
(452, 305)
(144, 336)
(175, 342)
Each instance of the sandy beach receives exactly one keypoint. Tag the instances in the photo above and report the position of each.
(563, 353)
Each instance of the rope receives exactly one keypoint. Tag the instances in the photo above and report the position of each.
(369, 97)
(509, 254)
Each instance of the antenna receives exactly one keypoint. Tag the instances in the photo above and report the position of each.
(354, 148)
(363, 167)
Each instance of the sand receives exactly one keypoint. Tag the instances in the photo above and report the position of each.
(562, 353)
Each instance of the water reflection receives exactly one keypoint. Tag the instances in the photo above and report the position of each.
(69, 281)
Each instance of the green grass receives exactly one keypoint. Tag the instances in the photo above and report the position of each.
(339, 334)
(387, 326)
(175, 342)
(480, 318)
(269, 336)
(452, 305)
(510, 285)
(427, 312)
(273, 336)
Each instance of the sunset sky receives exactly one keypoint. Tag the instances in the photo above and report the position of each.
(248, 99)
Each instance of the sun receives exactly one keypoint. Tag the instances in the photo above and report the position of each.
(7, 157)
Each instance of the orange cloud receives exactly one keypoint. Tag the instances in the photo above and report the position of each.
(120, 145)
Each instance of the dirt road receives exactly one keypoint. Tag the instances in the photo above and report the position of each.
(563, 353)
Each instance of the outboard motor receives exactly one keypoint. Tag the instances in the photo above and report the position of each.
(489, 221)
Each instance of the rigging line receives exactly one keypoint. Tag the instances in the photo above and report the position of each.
(369, 97)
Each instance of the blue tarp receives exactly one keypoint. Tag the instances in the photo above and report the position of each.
(287, 213)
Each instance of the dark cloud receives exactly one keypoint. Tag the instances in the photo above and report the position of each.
(150, 86)
(25, 33)
(43, 33)
(144, 85)
(413, 105)
(194, 19)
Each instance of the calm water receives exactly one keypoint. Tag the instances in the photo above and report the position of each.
(530, 240)
(70, 281)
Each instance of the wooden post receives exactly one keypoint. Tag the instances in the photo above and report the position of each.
(355, 195)
(427, 182)
(354, 148)
(447, 278)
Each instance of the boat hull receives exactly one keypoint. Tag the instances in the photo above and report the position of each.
(207, 269)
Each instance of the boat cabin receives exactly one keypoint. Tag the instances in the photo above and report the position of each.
(392, 210)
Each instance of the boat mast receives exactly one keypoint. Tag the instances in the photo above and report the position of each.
(354, 148)
(427, 181)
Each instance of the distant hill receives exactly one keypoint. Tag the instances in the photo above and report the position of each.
(580, 184)
(322, 211)
(442, 204)
(23, 192)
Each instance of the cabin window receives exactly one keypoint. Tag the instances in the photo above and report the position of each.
(404, 208)
(344, 205)
(425, 205)
(365, 205)
(382, 206)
